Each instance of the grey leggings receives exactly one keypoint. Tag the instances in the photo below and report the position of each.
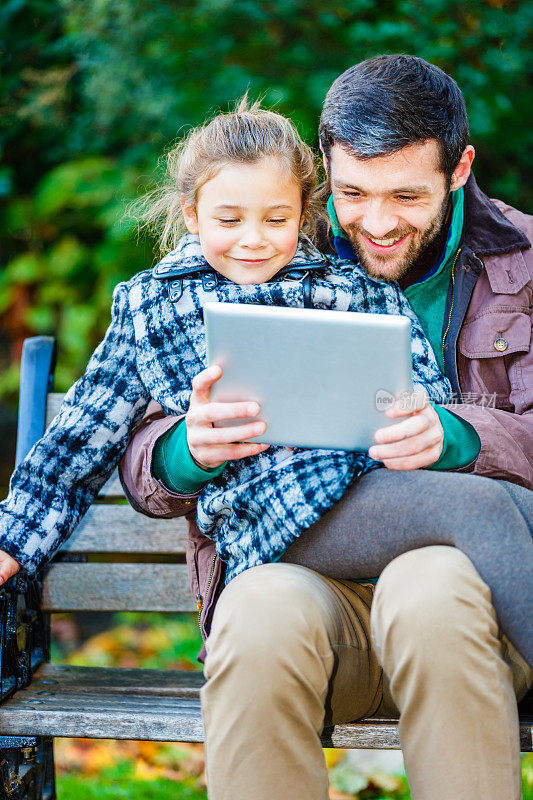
(386, 513)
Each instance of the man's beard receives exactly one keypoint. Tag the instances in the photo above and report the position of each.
(376, 264)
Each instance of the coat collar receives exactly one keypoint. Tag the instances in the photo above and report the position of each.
(485, 229)
(188, 257)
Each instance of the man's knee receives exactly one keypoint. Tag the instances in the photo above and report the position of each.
(431, 601)
(265, 615)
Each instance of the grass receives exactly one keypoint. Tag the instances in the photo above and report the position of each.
(120, 783)
(527, 776)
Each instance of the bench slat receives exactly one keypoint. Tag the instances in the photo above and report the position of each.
(120, 529)
(97, 716)
(112, 487)
(117, 587)
(119, 680)
(158, 705)
(53, 401)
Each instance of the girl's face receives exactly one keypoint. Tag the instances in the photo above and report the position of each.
(248, 218)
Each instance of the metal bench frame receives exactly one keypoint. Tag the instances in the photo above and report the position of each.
(40, 700)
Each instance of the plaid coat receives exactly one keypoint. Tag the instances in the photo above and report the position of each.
(152, 349)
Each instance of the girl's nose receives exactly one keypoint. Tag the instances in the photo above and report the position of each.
(252, 238)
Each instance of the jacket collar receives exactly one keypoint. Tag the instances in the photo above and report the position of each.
(188, 257)
(485, 229)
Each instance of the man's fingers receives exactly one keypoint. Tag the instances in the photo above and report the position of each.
(217, 412)
(418, 461)
(199, 436)
(203, 383)
(411, 446)
(408, 427)
(407, 404)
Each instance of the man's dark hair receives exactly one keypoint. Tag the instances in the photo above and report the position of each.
(386, 103)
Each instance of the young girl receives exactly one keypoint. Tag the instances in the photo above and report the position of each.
(244, 185)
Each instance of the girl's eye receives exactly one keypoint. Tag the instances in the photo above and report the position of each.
(228, 221)
(278, 220)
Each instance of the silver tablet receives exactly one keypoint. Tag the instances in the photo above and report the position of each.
(322, 378)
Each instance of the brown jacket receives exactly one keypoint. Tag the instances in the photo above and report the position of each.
(488, 359)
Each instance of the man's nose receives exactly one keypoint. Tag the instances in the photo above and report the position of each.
(378, 220)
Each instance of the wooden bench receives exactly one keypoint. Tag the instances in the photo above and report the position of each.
(42, 700)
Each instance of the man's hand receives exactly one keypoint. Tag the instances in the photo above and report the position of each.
(8, 566)
(211, 446)
(414, 443)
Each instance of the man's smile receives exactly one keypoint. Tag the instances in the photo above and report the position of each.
(387, 245)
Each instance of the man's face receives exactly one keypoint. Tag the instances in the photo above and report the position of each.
(391, 207)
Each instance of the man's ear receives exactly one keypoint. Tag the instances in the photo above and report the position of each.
(462, 171)
(190, 217)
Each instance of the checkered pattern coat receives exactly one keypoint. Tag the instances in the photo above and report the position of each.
(152, 349)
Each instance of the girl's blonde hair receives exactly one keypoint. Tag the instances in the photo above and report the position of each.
(244, 136)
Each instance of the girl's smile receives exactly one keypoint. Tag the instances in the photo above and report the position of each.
(248, 217)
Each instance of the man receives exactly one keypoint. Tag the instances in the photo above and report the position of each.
(291, 650)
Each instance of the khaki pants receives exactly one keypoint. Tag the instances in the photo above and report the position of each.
(290, 651)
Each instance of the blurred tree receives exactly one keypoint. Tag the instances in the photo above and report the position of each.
(92, 93)
(151, 68)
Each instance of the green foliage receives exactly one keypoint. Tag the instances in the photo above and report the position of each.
(92, 93)
(73, 248)
(363, 785)
(148, 640)
(172, 63)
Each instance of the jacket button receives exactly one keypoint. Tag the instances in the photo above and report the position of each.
(501, 344)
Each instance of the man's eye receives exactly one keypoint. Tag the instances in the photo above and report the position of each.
(406, 198)
(353, 195)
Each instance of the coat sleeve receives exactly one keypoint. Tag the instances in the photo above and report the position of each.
(506, 443)
(145, 492)
(54, 485)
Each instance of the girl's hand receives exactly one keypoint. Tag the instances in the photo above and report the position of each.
(211, 446)
(8, 566)
(414, 443)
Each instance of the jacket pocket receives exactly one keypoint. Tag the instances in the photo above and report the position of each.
(500, 332)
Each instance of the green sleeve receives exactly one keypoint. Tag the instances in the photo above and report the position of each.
(461, 443)
(173, 464)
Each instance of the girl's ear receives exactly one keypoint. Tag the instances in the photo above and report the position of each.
(303, 215)
(189, 215)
